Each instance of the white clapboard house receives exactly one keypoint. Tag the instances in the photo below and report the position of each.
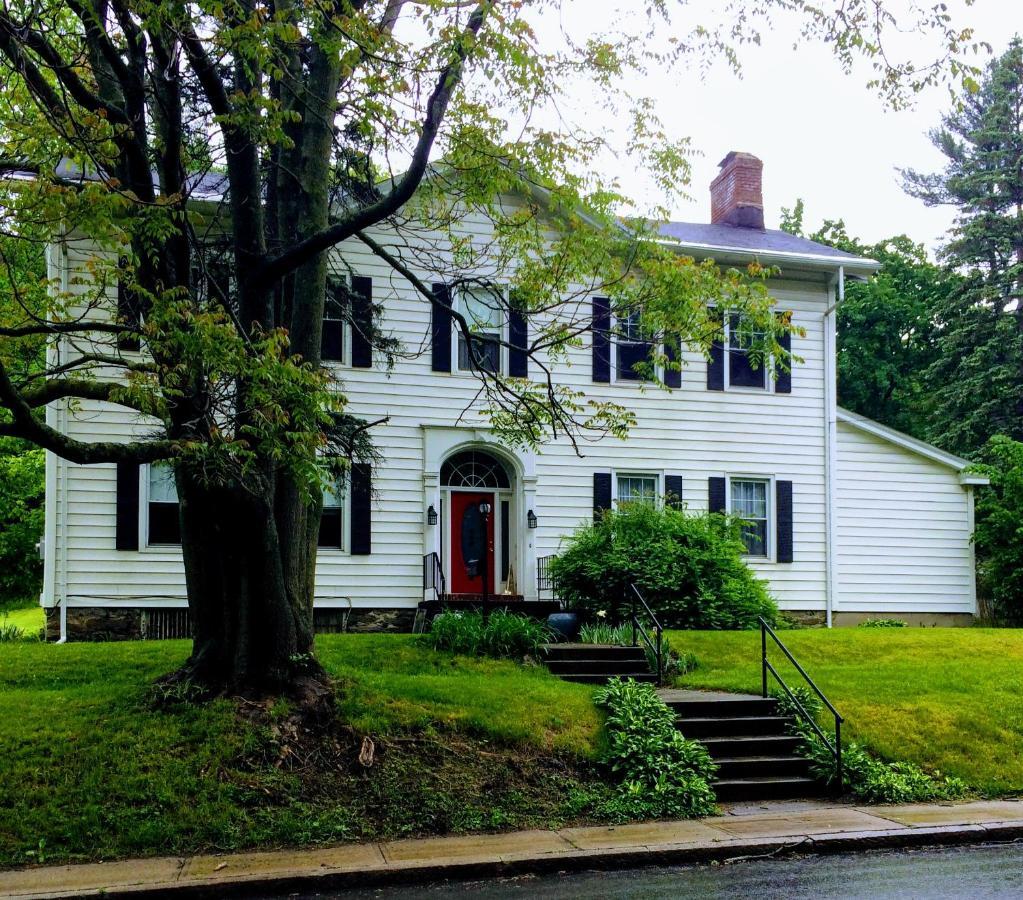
(849, 519)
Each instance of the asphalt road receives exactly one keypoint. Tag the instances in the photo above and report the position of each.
(973, 873)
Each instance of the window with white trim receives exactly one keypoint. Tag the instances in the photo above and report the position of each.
(484, 311)
(163, 527)
(332, 342)
(332, 519)
(637, 488)
(749, 501)
(632, 349)
(747, 367)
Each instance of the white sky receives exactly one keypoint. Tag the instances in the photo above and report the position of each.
(822, 135)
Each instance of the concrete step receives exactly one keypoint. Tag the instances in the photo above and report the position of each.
(720, 708)
(741, 767)
(580, 666)
(751, 745)
(592, 651)
(604, 677)
(724, 726)
(767, 788)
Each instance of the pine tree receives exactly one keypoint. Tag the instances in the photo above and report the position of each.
(978, 373)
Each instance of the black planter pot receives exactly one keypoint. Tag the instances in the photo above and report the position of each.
(565, 625)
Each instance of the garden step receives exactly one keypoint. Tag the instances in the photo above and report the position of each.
(604, 677)
(750, 745)
(740, 706)
(767, 788)
(579, 666)
(592, 651)
(739, 767)
(724, 726)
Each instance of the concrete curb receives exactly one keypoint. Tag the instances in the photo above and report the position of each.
(415, 862)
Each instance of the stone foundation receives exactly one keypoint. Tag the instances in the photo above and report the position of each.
(102, 623)
(921, 620)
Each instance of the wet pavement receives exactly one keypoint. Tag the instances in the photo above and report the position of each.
(976, 873)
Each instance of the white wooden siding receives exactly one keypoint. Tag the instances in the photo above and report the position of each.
(904, 530)
(689, 431)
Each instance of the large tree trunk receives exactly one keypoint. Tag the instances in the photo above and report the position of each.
(250, 589)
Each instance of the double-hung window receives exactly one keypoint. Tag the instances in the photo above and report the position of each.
(637, 489)
(484, 313)
(632, 349)
(749, 502)
(164, 526)
(332, 342)
(332, 524)
(747, 365)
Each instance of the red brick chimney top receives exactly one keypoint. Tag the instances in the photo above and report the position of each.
(737, 193)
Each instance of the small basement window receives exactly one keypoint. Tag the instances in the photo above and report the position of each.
(749, 502)
(164, 526)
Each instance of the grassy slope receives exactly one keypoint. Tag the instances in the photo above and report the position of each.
(29, 619)
(89, 770)
(948, 699)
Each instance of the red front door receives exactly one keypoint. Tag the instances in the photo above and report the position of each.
(472, 542)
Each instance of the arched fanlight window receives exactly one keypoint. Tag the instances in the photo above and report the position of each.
(473, 469)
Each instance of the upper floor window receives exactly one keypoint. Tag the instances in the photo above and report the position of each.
(637, 489)
(164, 526)
(749, 502)
(747, 367)
(632, 349)
(483, 310)
(332, 341)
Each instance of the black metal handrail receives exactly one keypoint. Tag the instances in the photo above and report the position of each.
(545, 581)
(657, 643)
(834, 746)
(433, 575)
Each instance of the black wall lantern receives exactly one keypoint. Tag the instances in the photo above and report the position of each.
(531, 519)
(431, 516)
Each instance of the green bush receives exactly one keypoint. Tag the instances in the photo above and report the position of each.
(502, 635)
(660, 773)
(872, 780)
(22, 490)
(807, 699)
(688, 567)
(999, 534)
(883, 623)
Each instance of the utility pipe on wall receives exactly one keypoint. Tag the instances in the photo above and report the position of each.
(831, 446)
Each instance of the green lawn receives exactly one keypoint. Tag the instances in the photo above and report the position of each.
(950, 699)
(89, 770)
(29, 619)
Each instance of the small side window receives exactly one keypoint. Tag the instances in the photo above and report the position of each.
(332, 525)
(749, 502)
(164, 526)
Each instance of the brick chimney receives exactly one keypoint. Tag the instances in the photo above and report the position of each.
(737, 193)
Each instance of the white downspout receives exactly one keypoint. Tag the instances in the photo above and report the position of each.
(831, 447)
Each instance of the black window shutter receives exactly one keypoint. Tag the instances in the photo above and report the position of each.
(518, 338)
(361, 509)
(783, 517)
(716, 363)
(601, 493)
(673, 491)
(673, 353)
(332, 339)
(783, 385)
(362, 322)
(127, 506)
(600, 333)
(441, 328)
(129, 312)
(716, 494)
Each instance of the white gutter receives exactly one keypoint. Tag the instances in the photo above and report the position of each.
(831, 446)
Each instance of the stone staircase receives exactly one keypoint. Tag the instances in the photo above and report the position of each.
(596, 663)
(749, 741)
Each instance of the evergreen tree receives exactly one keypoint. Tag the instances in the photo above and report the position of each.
(978, 372)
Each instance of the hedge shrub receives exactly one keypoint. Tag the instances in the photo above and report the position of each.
(689, 568)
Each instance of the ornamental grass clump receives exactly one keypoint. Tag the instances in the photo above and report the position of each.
(502, 635)
(660, 774)
(689, 568)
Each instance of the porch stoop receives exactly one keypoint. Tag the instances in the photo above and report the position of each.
(597, 663)
(749, 741)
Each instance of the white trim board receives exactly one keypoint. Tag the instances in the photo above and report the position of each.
(921, 448)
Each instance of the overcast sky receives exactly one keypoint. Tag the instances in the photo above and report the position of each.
(822, 135)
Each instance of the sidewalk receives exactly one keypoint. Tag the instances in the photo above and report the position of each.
(743, 831)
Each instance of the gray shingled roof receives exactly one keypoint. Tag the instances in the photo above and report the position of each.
(750, 240)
